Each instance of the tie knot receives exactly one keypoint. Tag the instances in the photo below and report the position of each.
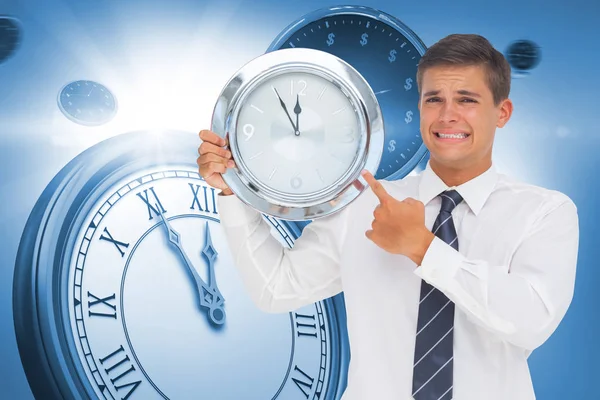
(450, 199)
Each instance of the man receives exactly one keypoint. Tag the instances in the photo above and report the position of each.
(451, 278)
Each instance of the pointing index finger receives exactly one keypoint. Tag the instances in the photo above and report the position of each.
(376, 186)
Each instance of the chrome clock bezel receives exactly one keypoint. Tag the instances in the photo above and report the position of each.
(350, 185)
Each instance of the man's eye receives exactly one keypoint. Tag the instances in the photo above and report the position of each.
(432, 99)
(468, 100)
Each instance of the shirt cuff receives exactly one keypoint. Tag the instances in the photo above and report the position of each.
(234, 212)
(440, 263)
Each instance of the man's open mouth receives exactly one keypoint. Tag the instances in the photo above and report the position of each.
(452, 136)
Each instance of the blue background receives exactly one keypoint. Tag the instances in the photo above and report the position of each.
(167, 61)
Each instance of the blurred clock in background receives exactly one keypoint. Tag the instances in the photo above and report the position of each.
(10, 37)
(87, 103)
(523, 56)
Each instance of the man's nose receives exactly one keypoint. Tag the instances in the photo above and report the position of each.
(449, 112)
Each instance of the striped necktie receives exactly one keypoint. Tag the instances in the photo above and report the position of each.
(433, 362)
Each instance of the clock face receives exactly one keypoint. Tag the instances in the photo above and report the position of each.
(135, 311)
(386, 53)
(10, 37)
(298, 133)
(150, 304)
(87, 103)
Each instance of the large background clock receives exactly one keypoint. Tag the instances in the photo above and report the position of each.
(386, 52)
(125, 288)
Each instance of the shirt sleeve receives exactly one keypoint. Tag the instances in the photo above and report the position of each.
(277, 278)
(524, 302)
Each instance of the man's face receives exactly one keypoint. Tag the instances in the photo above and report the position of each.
(458, 116)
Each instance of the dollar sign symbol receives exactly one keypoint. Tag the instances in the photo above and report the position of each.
(330, 39)
(408, 84)
(363, 39)
(392, 56)
(392, 146)
(408, 116)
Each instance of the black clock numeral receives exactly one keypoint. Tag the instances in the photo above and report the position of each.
(117, 381)
(151, 204)
(308, 327)
(98, 302)
(117, 243)
(304, 381)
(196, 201)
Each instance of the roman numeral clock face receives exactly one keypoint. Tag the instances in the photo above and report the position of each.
(157, 309)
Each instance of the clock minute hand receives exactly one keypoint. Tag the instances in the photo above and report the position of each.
(212, 299)
(286, 111)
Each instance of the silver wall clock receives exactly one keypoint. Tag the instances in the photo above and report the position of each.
(301, 125)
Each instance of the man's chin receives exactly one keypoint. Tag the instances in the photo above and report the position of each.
(449, 160)
(458, 162)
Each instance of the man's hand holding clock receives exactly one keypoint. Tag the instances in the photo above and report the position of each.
(214, 160)
(398, 226)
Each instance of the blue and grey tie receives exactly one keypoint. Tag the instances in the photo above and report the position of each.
(433, 365)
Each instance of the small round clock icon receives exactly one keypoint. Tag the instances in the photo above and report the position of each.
(87, 103)
(386, 52)
(125, 288)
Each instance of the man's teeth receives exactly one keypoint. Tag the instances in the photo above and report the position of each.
(452, 135)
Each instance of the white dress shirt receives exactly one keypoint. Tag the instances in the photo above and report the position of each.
(512, 280)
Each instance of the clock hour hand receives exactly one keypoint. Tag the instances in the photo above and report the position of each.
(286, 111)
(210, 253)
(210, 296)
(297, 111)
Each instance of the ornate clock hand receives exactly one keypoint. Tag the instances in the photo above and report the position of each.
(210, 297)
(286, 111)
(210, 253)
(297, 110)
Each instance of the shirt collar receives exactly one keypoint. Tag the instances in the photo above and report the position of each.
(474, 192)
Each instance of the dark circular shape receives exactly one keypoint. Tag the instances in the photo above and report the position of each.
(10, 37)
(523, 55)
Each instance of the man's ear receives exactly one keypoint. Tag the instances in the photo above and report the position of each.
(505, 111)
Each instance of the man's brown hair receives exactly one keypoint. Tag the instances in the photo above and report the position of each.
(469, 50)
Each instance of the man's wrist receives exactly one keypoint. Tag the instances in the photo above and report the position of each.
(421, 246)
